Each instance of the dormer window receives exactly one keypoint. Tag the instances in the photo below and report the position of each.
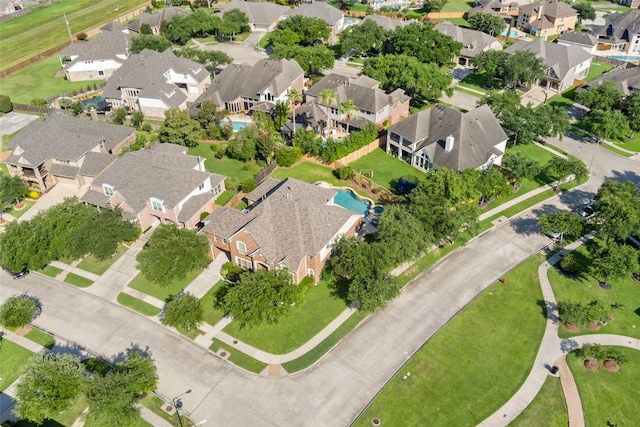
(108, 189)
(157, 203)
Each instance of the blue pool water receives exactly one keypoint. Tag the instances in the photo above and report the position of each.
(512, 34)
(348, 200)
(625, 58)
(94, 100)
(237, 125)
(351, 21)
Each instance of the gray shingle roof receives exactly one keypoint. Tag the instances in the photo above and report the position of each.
(66, 171)
(626, 79)
(113, 26)
(62, 138)
(321, 10)
(559, 58)
(94, 163)
(264, 189)
(473, 42)
(620, 26)
(96, 198)
(141, 174)
(155, 19)
(193, 205)
(475, 135)
(107, 45)
(385, 22)
(578, 37)
(259, 13)
(241, 80)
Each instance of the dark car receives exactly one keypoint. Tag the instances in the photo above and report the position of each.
(588, 212)
(18, 274)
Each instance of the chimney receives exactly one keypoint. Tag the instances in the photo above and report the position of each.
(540, 6)
(448, 145)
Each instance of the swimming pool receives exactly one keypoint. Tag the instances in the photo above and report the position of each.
(348, 200)
(350, 21)
(512, 34)
(95, 100)
(625, 58)
(237, 125)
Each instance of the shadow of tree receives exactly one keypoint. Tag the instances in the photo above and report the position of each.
(569, 345)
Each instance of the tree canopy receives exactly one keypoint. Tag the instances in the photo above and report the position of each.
(309, 31)
(585, 11)
(185, 311)
(561, 223)
(614, 261)
(368, 36)
(17, 311)
(423, 42)
(12, 189)
(312, 59)
(179, 128)
(148, 41)
(605, 96)
(608, 124)
(487, 23)
(522, 68)
(617, 209)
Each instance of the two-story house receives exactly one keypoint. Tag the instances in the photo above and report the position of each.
(372, 103)
(547, 17)
(155, 20)
(290, 224)
(97, 58)
(499, 7)
(240, 87)
(621, 32)
(565, 64)
(473, 42)
(627, 80)
(263, 16)
(333, 16)
(63, 149)
(163, 184)
(154, 82)
(446, 137)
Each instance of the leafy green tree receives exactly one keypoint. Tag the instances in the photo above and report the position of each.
(487, 23)
(522, 166)
(590, 352)
(348, 109)
(145, 29)
(503, 104)
(120, 116)
(179, 128)
(172, 253)
(17, 311)
(424, 42)
(612, 353)
(140, 371)
(234, 22)
(5, 104)
(562, 223)
(12, 189)
(287, 156)
(608, 124)
(328, 98)
(585, 11)
(309, 31)
(402, 234)
(294, 98)
(180, 29)
(211, 59)
(260, 297)
(146, 41)
(605, 96)
(573, 313)
(137, 118)
(48, 386)
(204, 22)
(522, 68)
(76, 108)
(403, 71)
(560, 168)
(614, 261)
(312, 59)
(631, 109)
(490, 63)
(183, 311)
(368, 36)
(110, 401)
(617, 209)
(243, 146)
(433, 5)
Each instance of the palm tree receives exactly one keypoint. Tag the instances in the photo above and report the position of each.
(294, 97)
(348, 108)
(327, 97)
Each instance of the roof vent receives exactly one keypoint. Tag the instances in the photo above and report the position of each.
(448, 146)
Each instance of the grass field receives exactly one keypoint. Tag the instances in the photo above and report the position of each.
(18, 213)
(474, 364)
(547, 409)
(317, 310)
(44, 28)
(92, 265)
(585, 288)
(14, 359)
(457, 6)
(138, 305)
(141, 284)
(609, 398)
(228, 167)
(224, 198)
(597, 69)
(386, 168)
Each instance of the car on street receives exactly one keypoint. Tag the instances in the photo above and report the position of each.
(588, 212)
(17, 274)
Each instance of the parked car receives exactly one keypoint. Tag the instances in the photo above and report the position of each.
(17, 274)
(588, 212)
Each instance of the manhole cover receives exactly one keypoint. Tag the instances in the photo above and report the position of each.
(223, 354)
(169, 408)
(235, 341)
(375, 422)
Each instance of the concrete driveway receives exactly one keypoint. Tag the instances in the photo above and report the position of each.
(13, 122)
(461, 100)
(56, 195)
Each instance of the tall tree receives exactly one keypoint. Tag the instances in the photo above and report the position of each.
(309, 31)
(294, 98)
(234, 22)
(148, 41)
(140, 371)
(12, 189)
(348, 109)
(17, 311)
(183, 311)
(608, 124)
(631, 109)
(560, 168)
(424, 42)
(585, 11)
(368, 36)
(605, 96)
(179, 128)
(312, 59)
(522, 68)
(48, 386)
(522, 166)
(110, 400)
(561, 223)
(487, 23)
(617, 208)
(490, 63)
(280, 114)
(328, 98)
(614, 261)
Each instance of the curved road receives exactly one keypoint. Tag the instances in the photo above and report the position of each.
(335, 390)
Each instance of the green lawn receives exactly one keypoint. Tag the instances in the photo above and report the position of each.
(609, 398)
(51, 271)
(585, 288)
(312, 172)
(93, 265)
(474, 364)
(316, 311)
(79, 281)
(265, 41)
(211, 315)
(224, 198)
(564, 99)
(239, 358)
(42, 338)
(547, 409)
(44, 28)
(39, 81)
(458, 21)
(386, 168)
(141, 284)
(457, 6)
(154, 403)
(138, 305)
(225, 166)
(626, 143)
(475, 81)
(14, 360)
(18, 213)
(597, 69)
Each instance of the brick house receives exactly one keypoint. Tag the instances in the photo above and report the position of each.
(289, 224)
(547, 17)
(97, 58)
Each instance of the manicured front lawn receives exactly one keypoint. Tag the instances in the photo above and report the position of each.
(474, 364)
(547, 409)
(564, 99)
(609, 398)
(228, 167)
(79, 281)
(476, 81)
(141, 284)
(585, 288)
(92, 265)
(138, 305)
(14, 361)
(51, 271)
(42, 338)
(212, 315)
(386, 168)
(238, 358)
(316, 311)
(18, 213)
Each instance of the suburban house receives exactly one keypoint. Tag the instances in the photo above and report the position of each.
(64, 149)
(627, 80)
(7, 7)
(97, 58)
(154, 20)
(565, 64)
(633, 4)
(163, 184)
(473, 42)
(242, 87)
(498, 7)
(582, 39)
(310, 116)
(386, 22)
(154, 82)
(446, 137)
(373, 104)
(621, 32)
(263, 16)
(319, 9)
(547, 17)
(289, 224)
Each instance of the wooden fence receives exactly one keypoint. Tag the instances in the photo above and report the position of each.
(28, 62)
(264, 173)
(362, 151)
(31, 108)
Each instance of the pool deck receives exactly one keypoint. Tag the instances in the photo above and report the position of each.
(372, 204)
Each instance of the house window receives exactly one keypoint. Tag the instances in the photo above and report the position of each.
(156, 205)
(100, 73)
(108, 190)
(242, 248)
(243, 263)
(201, 186)
(215, 190)
(310, 272)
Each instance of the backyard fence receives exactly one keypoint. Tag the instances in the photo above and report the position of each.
(235, 200)
(29, 62)
(31, 108)
(264, 173)
(362, 151)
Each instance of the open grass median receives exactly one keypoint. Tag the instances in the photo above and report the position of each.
(138, 305)
(547, 409)
(238, 358)
(79, 281)
(474, 364)
(51, 271)
(39, 337)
